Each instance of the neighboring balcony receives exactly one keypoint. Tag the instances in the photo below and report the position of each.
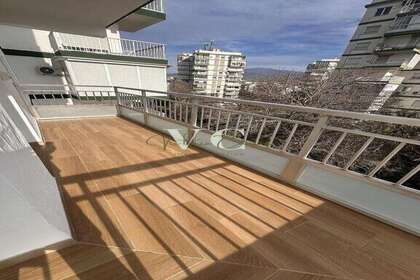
(68, 43)
(406, 23)
(152, 13)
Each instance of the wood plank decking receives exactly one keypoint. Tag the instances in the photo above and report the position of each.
(141, 212)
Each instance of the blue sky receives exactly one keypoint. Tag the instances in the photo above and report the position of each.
(271, 33)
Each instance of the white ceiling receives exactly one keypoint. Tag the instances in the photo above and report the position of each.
(86, 17)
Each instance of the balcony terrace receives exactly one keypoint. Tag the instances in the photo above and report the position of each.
(152, 13)
(143, 208)
(66, 44)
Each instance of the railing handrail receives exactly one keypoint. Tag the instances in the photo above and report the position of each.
(158, 104)
(109, 45)
(329, 112)
(155, 5)
(320, 111)
(252, 129)
(108, 38)
(62, 86)
(138, 41)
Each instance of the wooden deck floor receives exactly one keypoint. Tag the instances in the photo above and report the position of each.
(139, 212)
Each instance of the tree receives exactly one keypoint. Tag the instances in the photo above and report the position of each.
(180, 86)
(343, 90)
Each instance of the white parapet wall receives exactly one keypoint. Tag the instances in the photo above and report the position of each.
(372, 199)
(32, 214)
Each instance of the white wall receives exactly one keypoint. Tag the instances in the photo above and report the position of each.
(153, 78)
(395, 208)
(87, 73)
(17, 38)
(22, 229)
(32, 215)
(26, 70)
(123, 75)
(116, 74)
(17, 110)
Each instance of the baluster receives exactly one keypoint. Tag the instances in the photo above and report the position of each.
(359, 153)
(387, 158)
(261, 131)
(292, 133)
(337, 144)
(227, 122)
(202, 117)
(209, 121)
(218, 120)
(186, 113)
(273, 137)
(407, 177)
(237, 126)
(251, 119)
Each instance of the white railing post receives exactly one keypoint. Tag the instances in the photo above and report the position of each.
(145, 106)
(194, 112)
(296, 165)
(58, 40)
(117, 95)
(313, 137)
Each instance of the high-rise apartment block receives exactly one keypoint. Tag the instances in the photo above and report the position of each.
(321, 69)
(213, 72)
(386, 45)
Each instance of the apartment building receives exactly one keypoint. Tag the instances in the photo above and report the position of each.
(213, 72)
(385, 47)
(321, 69)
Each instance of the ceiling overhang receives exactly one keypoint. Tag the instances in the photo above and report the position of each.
(82, 17)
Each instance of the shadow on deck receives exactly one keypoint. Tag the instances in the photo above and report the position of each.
(141, 212)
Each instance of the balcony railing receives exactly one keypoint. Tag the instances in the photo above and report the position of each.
(68, 94)
(357, 144)
(410, 6)
(156, 5)
(367, 146)
(112, 46)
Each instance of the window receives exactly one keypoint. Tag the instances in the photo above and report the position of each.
(416, 104)
(372, 29)
(402, 22)
(382, 60)
(361, 46)
(353, 61)
(383, 11)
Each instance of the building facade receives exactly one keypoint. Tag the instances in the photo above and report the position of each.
(386, 46)
(213, 72)
(57, 58)
(320, 70)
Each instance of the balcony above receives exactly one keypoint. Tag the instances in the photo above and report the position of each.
(70, 45)
(79, 17)
(150, 14)
(406, 22)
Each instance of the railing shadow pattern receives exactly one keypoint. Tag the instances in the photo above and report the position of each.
(206, 217)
